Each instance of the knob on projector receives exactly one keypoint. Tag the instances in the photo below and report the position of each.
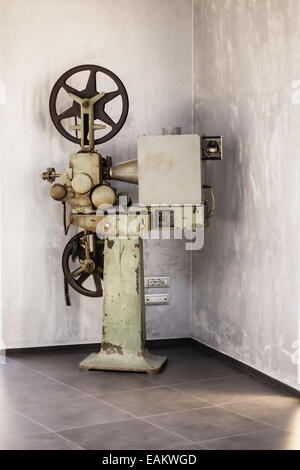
(103, 196)
(81, 183)
(58, 192)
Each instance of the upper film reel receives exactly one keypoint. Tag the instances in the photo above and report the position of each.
(89, 92)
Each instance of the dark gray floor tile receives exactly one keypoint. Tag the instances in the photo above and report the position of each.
(153, 401)
(227, 390)
(46, 441)
(282, 412)
(132, 434)
(269, 439)
(11, 370)
(53, 364)
(22, 392)
(179, 371)
(12, 425)
(65, 414)
(98, 382)
(208, 423)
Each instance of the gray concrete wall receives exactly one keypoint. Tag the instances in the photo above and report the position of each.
(246, 280)
(148, 44)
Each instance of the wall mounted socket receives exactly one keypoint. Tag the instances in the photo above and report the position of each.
(156, 299)
(157, 281)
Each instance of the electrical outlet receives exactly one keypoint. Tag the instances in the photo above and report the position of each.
(156, 299)
(157, 281)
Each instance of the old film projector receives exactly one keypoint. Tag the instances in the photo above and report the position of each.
(105, 258)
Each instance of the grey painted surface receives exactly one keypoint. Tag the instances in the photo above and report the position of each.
(246, 280)
(169, 257)
(147, 43)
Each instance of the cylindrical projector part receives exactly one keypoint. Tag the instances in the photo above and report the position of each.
(81, 183)
(103, 196)
(171, 130)
(58, 192)
(125, 171)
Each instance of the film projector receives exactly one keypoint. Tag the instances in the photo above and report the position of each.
(105, 258)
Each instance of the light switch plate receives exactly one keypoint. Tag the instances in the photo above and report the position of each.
(156, 299)
(157, 281)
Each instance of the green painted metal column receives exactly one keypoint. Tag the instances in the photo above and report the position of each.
(123, 326)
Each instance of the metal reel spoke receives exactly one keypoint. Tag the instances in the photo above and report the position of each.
(103, 116)
(70, 112)
(82, 278)
(91, 86)
(77, 272)
(68, 88)
(110, 96)
(97, 281)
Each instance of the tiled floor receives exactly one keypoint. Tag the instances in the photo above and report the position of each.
(197, 402)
